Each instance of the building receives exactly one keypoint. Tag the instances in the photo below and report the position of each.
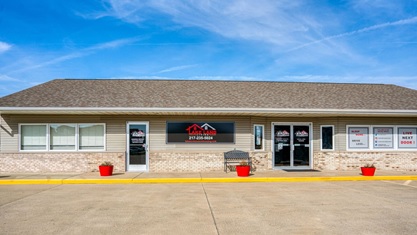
(70, 125)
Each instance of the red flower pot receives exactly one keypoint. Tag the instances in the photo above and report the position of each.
(105, 170)
(243, 171)
(368, 171)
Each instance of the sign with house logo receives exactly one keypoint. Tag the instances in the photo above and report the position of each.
(200, 132)
(137, 136)
(301, 135)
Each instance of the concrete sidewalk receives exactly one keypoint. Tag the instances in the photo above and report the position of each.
(200, 177)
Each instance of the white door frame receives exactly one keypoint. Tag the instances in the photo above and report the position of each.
(137, 168)
(292, 124)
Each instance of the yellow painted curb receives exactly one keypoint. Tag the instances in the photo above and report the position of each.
(204, 180)
(31, 181)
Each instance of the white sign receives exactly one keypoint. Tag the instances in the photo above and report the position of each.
(358, 137)
(407, 137)
(383, 137)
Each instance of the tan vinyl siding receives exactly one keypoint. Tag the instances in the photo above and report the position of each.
(158, 135)
(341, 123)
(116, 129)
(9, 132)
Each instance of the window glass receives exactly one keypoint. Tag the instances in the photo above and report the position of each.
(62, 136)
(259, 137)
(91, 137)
(358, 137)
(327, 137)
(407, 137)
(33, 137)
(383, 137)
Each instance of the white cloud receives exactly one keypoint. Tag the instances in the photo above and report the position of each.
(412, 20)
(4, 47)
(82, 53)
(263, 20)
(177, 68)
(6, 78)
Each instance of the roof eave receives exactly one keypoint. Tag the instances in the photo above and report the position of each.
(205, 111)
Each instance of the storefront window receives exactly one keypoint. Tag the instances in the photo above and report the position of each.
(407, 137)
(33, 137)
(358, 137)
(62, 136)
(383, 137)
(258, 137)
(91, 137)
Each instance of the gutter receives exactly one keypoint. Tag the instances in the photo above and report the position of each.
(212, 111)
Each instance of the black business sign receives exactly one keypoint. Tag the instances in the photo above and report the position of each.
(200, 132)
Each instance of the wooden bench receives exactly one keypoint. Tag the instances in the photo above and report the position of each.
(234, 157)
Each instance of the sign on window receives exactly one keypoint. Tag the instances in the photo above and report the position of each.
(358, 137)
(383, 137)
(407, 137)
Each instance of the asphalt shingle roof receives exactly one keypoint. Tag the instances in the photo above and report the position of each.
(108, 93)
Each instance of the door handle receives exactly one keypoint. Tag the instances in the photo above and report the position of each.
(146, 147)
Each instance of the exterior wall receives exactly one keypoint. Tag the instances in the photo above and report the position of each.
(340, 124)
(201, 161)
(193, 157)
(59, 162)
(398, 161)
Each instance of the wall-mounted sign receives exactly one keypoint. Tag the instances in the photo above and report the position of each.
(200, 132)
(383, 137)
(358, 137)
(407, 137)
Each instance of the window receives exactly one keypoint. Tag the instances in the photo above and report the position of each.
(382, 137)
(407, 137)
(91, 137)
(62, 136)
(33, 137)
(327, 137)
(358, 137)
(258, 137)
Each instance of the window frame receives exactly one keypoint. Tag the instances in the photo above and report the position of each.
(262, 135)
(91, 150)
(394, 137)
(62, 150)
(368, 139)
(321, 138)
(371, 146)
(48, 136)
(397, 141)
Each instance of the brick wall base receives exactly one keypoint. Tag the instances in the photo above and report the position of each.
(201, 162)
(399, 161)
(195, 162)
(58, 162)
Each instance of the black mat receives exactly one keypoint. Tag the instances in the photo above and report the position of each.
(301, 170)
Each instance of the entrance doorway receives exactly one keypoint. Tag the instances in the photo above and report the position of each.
(292, 145)
(137, 158)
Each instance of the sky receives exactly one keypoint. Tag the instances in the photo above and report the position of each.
(345, 41)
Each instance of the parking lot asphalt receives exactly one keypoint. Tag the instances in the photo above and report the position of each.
(326, 207)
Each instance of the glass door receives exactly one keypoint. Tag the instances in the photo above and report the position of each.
(137, 158)
(292, 146)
